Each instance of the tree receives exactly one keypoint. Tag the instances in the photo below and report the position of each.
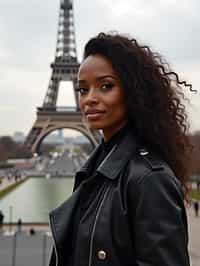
(195, 140)
(3, 153)
(10, 149)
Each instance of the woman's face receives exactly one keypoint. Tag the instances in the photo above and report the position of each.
(101, 97)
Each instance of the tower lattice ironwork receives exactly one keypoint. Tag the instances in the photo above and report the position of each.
(64, 68)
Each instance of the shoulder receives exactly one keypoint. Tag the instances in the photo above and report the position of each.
(148, 168)
(152, 185)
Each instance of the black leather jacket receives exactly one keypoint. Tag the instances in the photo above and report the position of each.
(138, 217)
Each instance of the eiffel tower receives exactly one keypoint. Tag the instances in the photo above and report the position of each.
(64, 68)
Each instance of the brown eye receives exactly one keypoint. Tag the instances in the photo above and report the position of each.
(107, 86)
(82, 91)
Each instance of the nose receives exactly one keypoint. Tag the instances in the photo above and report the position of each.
(92, 96)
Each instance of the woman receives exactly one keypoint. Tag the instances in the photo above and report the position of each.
(127, 207)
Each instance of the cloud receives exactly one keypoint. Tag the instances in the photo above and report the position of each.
(28, 41)
(169, 26)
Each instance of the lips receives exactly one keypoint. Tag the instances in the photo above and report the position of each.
(94, 114)
(93, 111)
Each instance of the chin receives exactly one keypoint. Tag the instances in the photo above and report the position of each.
(95, 126)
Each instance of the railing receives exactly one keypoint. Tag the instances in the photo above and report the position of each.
(22, 248)
(58, 109)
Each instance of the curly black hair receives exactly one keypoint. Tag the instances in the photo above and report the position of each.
(153, 96)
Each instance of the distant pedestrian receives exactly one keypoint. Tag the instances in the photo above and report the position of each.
(196, 208)
(1, 221)
(32, 231)
(198, 185)
(19, 225)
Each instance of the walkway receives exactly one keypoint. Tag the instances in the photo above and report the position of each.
(194, 237)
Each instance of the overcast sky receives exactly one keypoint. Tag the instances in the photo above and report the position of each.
(28, 40)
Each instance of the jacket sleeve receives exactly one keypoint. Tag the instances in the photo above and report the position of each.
(158, 220)
(52, 259)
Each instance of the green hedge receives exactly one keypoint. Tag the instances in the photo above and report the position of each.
(11, 187)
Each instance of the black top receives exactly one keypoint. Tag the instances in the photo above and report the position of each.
(105, 148)
(87, 196)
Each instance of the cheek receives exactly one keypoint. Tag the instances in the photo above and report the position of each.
(80, 103)
(118, 106)
(120, 112)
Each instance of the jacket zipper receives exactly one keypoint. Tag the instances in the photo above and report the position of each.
(94, 226)
(54, 242)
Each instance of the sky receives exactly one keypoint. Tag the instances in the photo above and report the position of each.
(28, 31)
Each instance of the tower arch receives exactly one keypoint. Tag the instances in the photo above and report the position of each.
(64, 68)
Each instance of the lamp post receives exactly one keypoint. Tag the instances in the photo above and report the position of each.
(10, 218)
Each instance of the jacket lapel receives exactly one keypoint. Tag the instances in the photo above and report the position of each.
(61, 218)
(113, 162)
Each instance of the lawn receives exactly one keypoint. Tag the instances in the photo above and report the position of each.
(195, 194)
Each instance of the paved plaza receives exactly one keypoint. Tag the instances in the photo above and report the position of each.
(194, 235)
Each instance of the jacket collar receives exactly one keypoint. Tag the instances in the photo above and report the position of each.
(114, 161)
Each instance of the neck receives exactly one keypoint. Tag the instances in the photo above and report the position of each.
(108, 134)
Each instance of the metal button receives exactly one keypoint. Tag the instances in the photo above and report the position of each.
(143, 152)
(102, 255)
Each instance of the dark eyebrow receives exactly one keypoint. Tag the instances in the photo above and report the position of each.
(106, 76)
(81, 81)
(98, 78)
